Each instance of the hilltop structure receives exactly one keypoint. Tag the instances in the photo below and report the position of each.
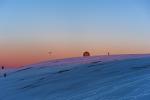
(86, 54)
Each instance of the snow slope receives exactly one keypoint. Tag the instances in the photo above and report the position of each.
(118, 77)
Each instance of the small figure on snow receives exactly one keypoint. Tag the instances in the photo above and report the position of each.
(3, 72)
(2, 67)
(108, 54)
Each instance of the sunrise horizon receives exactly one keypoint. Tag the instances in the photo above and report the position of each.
(27, 63)
(29, 30)
(74, 49)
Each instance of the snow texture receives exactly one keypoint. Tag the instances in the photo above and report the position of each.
(117, 77)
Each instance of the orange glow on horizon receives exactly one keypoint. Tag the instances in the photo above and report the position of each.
(19, 55)
(28, 58)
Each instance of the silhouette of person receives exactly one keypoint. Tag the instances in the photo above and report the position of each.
(2, 67)
(5, 74)
(108, 54)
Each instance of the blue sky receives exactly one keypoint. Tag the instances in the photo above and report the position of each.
(74, 16)
(118, 26)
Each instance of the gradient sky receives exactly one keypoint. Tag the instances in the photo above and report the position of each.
(29, 29)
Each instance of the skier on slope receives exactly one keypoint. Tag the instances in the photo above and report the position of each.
(3, 71)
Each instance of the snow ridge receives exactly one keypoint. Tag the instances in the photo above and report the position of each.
(118, 77)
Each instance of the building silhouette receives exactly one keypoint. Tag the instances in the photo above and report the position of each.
(86, 53)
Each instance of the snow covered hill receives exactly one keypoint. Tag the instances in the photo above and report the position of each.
(118, 77)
